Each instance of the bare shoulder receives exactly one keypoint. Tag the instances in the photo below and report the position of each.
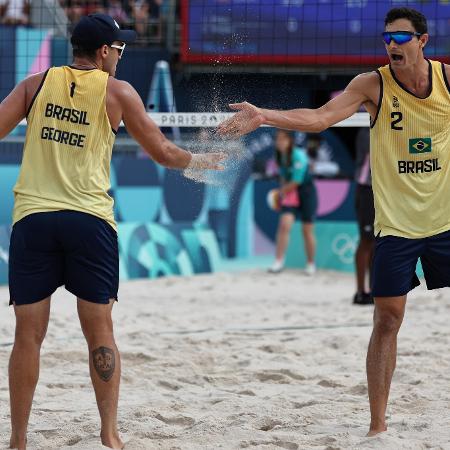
(366, 85)
(119, 88)
(123, 102)
(36, 76)
(115, 84)
(364, 81)
(32, 82)
(30, 86)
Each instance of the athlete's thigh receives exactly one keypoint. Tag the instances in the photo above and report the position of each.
(36, 261)
(91, 257)
(394, 265)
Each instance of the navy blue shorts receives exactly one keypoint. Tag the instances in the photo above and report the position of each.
(58, 248)
(307, 210)
(395, 260)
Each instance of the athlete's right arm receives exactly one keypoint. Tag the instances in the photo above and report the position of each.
(144, 130)
(361, 90)
(13, 109)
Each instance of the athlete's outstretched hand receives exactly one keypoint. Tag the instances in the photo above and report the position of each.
(248, 118)
(207, 161)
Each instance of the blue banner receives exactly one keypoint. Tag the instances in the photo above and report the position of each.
(329, 31)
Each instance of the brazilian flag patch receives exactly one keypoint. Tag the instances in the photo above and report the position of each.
(420, 145)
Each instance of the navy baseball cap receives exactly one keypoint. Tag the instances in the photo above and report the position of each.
(95, 30)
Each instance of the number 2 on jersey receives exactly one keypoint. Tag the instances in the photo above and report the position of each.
(397, 117)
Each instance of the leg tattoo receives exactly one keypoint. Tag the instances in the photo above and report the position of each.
(104, 362)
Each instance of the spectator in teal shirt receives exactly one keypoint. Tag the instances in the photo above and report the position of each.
(297, 198)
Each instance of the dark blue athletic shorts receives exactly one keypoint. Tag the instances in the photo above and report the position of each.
(58, 248)
(307, 210)
(395, 260)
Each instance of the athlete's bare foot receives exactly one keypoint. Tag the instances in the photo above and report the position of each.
(113, 441)
(375, 431)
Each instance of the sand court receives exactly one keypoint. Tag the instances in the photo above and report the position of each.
(240, 361)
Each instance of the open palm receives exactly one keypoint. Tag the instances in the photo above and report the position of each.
(248, 118)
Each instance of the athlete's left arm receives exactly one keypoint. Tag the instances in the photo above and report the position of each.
(13, 109)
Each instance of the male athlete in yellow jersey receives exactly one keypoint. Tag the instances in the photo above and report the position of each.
(64, 230)
(409, 104)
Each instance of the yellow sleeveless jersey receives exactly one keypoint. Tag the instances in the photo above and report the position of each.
(410, 156)
(68, 146)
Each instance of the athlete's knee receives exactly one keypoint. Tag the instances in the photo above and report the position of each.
(388, 321)
(32, 322)
(98, 333)
(31, 335)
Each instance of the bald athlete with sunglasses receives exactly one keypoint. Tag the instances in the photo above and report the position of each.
(64, 231)
(409, 105)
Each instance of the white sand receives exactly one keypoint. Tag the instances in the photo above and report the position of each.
(241, 361)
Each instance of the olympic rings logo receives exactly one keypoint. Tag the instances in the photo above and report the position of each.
(344, 246)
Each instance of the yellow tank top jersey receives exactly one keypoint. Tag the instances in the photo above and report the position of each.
(68, 147)
(410, 156)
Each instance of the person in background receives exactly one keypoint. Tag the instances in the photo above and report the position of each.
(140, 14)
(75, 10)
(298, 198)
(117, 11)
(95, 6)
(365, 213)
(14, 12)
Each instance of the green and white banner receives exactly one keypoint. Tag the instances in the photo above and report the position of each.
(336, 246)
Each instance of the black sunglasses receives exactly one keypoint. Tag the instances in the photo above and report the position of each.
(399, 37)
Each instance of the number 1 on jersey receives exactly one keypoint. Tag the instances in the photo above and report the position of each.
(72, 89)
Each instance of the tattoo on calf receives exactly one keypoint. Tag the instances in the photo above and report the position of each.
(104, 362)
